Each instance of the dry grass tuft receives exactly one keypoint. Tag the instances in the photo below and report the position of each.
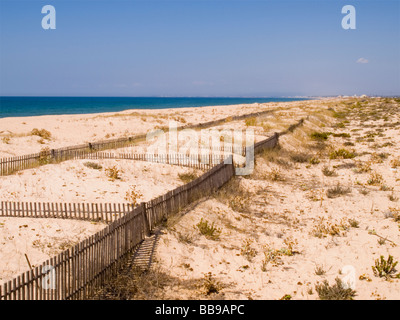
(338, 291)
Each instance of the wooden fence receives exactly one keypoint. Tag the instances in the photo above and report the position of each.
(203, 162)
(76, 272)
(269, 143)
(104, 212)
(11, 165)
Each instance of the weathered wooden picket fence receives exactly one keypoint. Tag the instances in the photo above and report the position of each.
(104, 212)
(76, 272)
(203, 162)
(10, 165)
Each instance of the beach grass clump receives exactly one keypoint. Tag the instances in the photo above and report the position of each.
(337, 191)
(340, 125)
(251, 122)
(273, 257)
(235, 195)
(354, 223)
(113, 173)
(247, 250)
(342, 154)
(133, 196)
(6, 140)
(338, 291)
(339, 114)
(44, 156)
(290, 245)
(314, 160)
(395, 213)
(300, 157)
(393, 198)
(276, 155)
(320, 136)
(327, 171)
(395, 163)
(385, 268)
(275, 174)
(93, 165)
(208, 230)
(43, 133)
(319, 270)
(341, 135)
(133, 283)
(379, 157)
(188, 176)
(363, 167)
(210, 285)
(375, 179)
(322, 228)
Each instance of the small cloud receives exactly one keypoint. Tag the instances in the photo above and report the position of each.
(362, 60)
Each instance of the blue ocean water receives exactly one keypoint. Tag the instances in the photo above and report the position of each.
(36, 106)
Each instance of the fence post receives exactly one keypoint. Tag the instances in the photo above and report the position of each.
(145, 220)
(276, 135)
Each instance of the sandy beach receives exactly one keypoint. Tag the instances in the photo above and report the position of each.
(282, 230)
(288, 227)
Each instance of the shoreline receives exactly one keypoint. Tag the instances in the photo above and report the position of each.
(163, 101)
(16, 137)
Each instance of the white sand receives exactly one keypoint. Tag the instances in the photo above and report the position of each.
(278, 210)
(290, 210)
(39, 239)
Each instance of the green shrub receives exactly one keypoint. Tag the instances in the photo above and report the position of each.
(354, 223)
(209, 231)
(300, 157)
(342, 154)
(341, 135)
(385, 268)
(133, 196)
(314, 160)
(113, 173)
(188, 177)
(93, 165)
(328, 172)
(336, 292)
(375, 179)
(247, 251)
(251, 121)
(210, 285)
(320, 136)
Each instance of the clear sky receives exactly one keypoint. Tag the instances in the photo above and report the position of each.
(269, 48)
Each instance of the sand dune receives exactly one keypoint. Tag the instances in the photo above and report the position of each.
(318, 208)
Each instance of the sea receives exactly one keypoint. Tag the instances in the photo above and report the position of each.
(37, 106)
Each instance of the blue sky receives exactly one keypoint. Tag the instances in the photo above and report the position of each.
(199, 48)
